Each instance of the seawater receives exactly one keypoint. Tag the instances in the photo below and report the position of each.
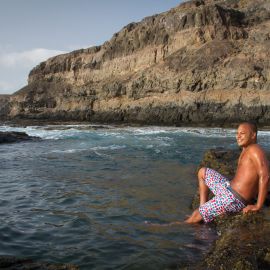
(82, 194)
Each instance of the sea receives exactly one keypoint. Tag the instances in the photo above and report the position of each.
(101, 196)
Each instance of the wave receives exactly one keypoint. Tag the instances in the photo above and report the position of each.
(94, 149)
(57, 132)
(156, 130)
(45, 133)
(109, 147)
(68, 151)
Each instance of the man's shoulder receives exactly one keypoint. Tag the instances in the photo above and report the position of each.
(256, 149)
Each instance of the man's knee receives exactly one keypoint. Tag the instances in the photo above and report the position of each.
(201, 173)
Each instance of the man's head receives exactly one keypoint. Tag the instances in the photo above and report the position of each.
(246, 134)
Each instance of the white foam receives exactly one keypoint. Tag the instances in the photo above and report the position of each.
(150, 146)
(43, 132)
(101, 154)
(56, 132)
(68, 151)
(109, 147)
(264, 133)
(203, 132)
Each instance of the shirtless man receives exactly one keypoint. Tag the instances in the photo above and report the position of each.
(251, 180)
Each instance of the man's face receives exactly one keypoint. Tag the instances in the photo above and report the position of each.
(245, 136)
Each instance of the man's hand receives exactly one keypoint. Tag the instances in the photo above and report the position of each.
(251, 208)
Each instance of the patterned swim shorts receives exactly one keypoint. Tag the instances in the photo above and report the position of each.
(224, 200)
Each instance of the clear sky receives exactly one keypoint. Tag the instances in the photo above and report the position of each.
(33, 30)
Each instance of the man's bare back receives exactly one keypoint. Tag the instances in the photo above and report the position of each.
(251, 178)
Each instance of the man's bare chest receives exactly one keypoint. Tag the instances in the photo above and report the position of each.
(245, 161)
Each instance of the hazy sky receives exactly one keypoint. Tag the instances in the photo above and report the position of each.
(33, 30)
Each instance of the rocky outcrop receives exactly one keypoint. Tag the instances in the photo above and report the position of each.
(244, 240)
(204, 61)
(4, 106)
(13, 136)
(243, 244)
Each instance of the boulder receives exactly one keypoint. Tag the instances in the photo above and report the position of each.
(12, 137)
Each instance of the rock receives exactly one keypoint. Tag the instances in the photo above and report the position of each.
(4, 106)
(244, 240)
(202, 62)
(12, 263)
(243, 244)
(12, 137)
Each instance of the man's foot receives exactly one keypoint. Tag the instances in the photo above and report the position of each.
(194, 218)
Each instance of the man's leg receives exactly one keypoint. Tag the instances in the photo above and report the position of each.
(203, 188)
(216, 206)
(203, 192)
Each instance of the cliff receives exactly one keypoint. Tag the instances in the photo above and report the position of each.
(204, 61)
(4, 105)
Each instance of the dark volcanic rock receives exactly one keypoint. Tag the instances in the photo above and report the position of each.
(202, 62)
(13, 263)
(244, 240)
(243, 244)
(12, 137)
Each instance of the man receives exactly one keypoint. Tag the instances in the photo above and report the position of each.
(251, 180)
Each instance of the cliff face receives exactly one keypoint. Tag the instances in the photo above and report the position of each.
(4, 106)
(204, 61)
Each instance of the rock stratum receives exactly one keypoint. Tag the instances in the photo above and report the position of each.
(202, 62)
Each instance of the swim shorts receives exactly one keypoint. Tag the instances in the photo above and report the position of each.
(224, 200)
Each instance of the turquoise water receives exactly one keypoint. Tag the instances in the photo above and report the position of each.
(82, 195)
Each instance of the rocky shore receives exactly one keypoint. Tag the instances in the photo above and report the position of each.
(202, 62)
(244, 240)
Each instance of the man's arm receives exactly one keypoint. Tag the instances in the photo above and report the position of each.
(262, 168)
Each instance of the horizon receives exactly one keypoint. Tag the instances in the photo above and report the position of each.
(33, 31)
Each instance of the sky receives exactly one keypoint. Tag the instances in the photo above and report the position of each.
(31, 31)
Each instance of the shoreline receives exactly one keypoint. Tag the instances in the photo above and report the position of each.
(35, 122)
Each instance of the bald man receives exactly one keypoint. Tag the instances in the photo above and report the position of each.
(250, 181)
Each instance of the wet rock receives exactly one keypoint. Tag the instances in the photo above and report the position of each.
(244, 240)
(12, 137)
(243, 243)
(13, 263)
